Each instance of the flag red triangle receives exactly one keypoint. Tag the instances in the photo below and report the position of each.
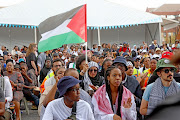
(78, 24)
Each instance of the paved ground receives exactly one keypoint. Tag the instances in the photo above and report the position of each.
(33, 114)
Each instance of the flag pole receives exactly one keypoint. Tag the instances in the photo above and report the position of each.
(86, 52)
(86, 31)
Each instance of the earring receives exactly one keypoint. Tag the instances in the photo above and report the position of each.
(108, 82)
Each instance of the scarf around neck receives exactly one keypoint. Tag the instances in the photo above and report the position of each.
(157, 94)
(103, 102)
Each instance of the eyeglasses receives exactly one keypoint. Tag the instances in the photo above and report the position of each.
(167, 70)
(9, 55)
(93, 70)
(74, 89)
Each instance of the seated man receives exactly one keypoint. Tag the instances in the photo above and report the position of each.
(54, 93)
(28, 87)
(61, 108)
(56, 64)
(164, 86)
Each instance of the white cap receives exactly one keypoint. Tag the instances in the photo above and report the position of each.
(156, 55)
(144, 51)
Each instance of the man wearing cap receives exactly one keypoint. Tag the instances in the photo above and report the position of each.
(124, 48)
(176, 76)
(55, 56)
(158, 52)
(163, 87)
(99, 50)
(61, 108)
(129, 82)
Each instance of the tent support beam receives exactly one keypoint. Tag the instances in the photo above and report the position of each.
(99, 37)
(35, 35)
(160, 37)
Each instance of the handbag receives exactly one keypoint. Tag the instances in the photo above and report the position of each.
(73, 112)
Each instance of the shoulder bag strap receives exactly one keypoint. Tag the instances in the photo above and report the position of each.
(74, 109)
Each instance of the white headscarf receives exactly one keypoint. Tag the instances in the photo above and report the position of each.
(134, 48)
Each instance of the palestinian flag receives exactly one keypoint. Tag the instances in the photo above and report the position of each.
(66, 28)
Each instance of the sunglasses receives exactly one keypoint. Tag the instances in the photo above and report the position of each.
(137, 60)
(93, 70)
(167, 70)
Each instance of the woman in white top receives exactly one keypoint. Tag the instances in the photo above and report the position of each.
(5, 85)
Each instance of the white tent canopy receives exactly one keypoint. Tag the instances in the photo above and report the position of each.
(100, 14)
(103, 13)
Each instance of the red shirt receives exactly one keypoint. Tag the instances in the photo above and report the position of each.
(124, 49)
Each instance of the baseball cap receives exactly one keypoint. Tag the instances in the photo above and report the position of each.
(167, 55)
(21, 60)
(158, 49)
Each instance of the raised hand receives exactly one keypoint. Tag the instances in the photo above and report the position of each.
(116, 117)
(127, 104)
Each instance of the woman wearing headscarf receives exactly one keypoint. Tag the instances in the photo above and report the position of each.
(113, 101)
(61, 108)
(92, 78)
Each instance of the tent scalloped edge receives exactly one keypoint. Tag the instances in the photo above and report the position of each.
(18, 26)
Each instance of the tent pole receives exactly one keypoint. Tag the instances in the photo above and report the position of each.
(35, 35)
(99, 37)
(160, 37)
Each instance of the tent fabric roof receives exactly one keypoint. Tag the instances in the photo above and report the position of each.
(103, 14)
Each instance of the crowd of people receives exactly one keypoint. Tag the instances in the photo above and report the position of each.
(114, 82)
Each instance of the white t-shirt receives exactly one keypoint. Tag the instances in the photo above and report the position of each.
(7, 90)
(1, 52)
(57, 110)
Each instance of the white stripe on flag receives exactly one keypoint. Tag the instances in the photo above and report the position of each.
(61, 29)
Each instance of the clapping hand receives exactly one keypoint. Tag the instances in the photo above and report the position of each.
(127, 104)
